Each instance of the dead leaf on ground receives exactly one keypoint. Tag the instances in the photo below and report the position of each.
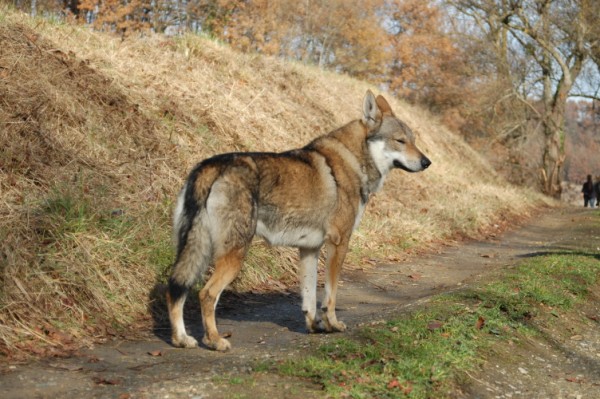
(480, 323)
(406, 388)
(155, 353)
(434, 325)
(394, 258)
(106, 381)
(393, 384)
(61, 337)
(574, 379)
(593, 317)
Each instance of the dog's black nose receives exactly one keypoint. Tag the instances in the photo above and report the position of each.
(425, 162)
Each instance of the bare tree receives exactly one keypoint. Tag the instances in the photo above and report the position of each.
(557, 38)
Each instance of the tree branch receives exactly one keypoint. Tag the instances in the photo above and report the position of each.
(528, 30)
(583, 95)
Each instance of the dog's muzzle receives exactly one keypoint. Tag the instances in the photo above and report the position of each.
(425, 163)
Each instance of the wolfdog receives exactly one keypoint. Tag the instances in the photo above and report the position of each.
(305, 198)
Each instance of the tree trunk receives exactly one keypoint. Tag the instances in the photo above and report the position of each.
(553, 159)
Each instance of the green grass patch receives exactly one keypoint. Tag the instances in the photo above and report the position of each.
(93, 255)
(428, 352)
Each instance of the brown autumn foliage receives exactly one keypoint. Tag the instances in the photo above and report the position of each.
(345, 36)
(427, 67)
(119, 16)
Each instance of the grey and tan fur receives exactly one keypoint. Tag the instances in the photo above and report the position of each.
(307, 198)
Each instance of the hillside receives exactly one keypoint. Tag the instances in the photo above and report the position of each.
(97, 135)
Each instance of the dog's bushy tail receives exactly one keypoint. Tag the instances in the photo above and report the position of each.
(191, 234)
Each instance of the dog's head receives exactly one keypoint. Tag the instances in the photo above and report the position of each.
(390, 141)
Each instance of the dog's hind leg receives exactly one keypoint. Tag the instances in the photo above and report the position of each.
(227, 268)
(176, 297)
(334, 262)
(307, 273)
(232, 216)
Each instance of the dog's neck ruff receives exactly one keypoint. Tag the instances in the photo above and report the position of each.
(382, 162)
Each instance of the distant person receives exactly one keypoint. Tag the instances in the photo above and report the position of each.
(589, 193)
(597, 190)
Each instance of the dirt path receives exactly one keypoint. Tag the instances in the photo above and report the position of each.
(271, 326)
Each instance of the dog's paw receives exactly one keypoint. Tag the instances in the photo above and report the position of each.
(316, 326)
(338, 326)
(184, 341)
(220, 345)
(333, 326)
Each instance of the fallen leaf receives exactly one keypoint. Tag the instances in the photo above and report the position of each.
(577, 338)
(393, 384)
(592, 317)
(574, 379)
(406, 389)
(155, 353)
(434, 325)
(105, 381)
(480, 323)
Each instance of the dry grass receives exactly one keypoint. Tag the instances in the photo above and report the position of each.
(97, 136)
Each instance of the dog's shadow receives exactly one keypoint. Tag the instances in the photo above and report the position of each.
(282, 309)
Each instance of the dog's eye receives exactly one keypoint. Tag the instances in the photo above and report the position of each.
(401, 141)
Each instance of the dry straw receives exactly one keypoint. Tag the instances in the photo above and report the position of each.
(97, 135)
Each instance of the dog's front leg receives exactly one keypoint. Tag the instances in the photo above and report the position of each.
(335, 260)
(307, 273)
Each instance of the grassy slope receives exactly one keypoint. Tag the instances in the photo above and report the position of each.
(97, 136)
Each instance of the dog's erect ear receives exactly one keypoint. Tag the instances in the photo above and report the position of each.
(383, 105)
(371, 113)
